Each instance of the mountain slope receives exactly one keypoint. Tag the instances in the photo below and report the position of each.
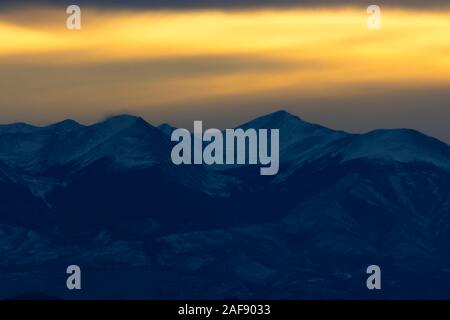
(108, 197)
(402, 145)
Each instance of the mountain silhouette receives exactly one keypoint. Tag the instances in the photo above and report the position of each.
(108, 198)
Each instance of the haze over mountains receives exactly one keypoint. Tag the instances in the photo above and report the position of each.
(107, 197)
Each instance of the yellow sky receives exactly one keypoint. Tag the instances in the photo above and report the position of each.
(132, 60)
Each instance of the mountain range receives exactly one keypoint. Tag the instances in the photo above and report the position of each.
(108, 198)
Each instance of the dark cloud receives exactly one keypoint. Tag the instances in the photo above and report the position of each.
(227, 4)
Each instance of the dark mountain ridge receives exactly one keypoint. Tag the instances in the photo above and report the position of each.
(108, 197)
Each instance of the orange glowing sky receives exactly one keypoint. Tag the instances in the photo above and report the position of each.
(227, 66)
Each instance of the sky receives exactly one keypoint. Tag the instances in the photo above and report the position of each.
(226, 62)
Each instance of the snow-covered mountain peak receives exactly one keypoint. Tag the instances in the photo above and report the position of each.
(65, 125)
(275, 120)
(166, 128)
(18, 127)
(403, 145)
(121, 121)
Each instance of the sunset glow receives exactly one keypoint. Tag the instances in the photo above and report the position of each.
(138, 60)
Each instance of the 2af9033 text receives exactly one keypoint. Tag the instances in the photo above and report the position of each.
(246, 309)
